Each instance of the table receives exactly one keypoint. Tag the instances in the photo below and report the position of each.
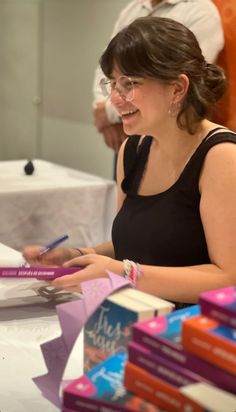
(27, 319)
(52, 201)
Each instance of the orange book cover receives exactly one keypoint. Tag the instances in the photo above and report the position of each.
(157, 391)
(211, 341)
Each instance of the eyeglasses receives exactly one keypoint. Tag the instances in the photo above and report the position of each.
(124, 85)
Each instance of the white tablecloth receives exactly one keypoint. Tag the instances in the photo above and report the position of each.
(53, 201)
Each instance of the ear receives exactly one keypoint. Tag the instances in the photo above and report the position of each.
(180, 88)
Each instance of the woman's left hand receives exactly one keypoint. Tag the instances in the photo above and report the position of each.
(93, 266)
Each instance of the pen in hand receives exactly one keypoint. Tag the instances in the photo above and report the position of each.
(53, 244)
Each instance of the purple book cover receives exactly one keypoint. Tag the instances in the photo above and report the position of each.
(36, 272)
(162, 335)
(160, 366)
(220, 304)
(101, 389)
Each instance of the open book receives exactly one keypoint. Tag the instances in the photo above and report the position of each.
(20, 292)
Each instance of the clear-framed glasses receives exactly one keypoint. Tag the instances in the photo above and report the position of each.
(124, 85)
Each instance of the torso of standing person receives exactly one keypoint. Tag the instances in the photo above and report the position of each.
(200, 16)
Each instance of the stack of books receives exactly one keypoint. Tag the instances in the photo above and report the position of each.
(170, 363)
(106, 336)
(211, 335)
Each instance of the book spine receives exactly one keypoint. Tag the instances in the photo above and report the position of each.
(40, 273)
(164, 347)
(157, 391)
(78, 403)
(67, 410)
(168, 350)
(209, 347)
(161, 367)
(220, 313)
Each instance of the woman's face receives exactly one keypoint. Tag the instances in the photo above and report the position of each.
(146, 111)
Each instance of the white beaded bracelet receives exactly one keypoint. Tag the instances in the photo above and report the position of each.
(132, 272)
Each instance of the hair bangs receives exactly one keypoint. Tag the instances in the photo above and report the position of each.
(125, 53)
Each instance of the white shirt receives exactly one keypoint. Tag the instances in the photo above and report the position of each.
(200, 16)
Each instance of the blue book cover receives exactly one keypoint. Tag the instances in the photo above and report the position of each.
(108, 330)
(102, 389)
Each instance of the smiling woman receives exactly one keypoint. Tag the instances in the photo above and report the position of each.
(172, 236)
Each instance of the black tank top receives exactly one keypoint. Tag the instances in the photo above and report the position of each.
(163, 229)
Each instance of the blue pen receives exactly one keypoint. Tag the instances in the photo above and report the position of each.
(53, 244)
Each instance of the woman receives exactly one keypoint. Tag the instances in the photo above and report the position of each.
(176, 218)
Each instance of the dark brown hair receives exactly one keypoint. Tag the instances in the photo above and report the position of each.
(162, 49)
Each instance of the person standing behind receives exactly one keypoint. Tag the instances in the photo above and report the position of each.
(200, 16)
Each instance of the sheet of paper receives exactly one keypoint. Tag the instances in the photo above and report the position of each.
(9, 256)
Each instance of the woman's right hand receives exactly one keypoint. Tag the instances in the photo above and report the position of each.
(54, 257)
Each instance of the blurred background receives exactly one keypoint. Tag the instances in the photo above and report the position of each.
(48, 52)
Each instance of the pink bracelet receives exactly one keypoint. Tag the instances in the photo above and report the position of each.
(132, 272)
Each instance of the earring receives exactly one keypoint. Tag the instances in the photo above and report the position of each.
(173, 109)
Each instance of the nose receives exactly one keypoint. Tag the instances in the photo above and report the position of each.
(117, 98)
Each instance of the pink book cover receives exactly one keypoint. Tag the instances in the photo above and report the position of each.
(220, 304)
(36, 272)
(162, 335)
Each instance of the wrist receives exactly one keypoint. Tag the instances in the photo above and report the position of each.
(82, 251)
(132, 272)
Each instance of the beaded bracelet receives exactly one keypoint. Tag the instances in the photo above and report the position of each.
(132, 272)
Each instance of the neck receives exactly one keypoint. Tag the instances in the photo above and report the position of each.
(175, 143)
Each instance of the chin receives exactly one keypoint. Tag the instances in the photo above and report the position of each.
(129, 130)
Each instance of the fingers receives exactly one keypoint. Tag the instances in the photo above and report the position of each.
(73, 262)
(113, 136)
(31, 251)
(100, 116)
(56, 256)
(107, 136)
(73, 281)
(83, 260)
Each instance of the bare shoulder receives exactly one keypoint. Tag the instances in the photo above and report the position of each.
(221, 153)
(122, 149)
(220, 165)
